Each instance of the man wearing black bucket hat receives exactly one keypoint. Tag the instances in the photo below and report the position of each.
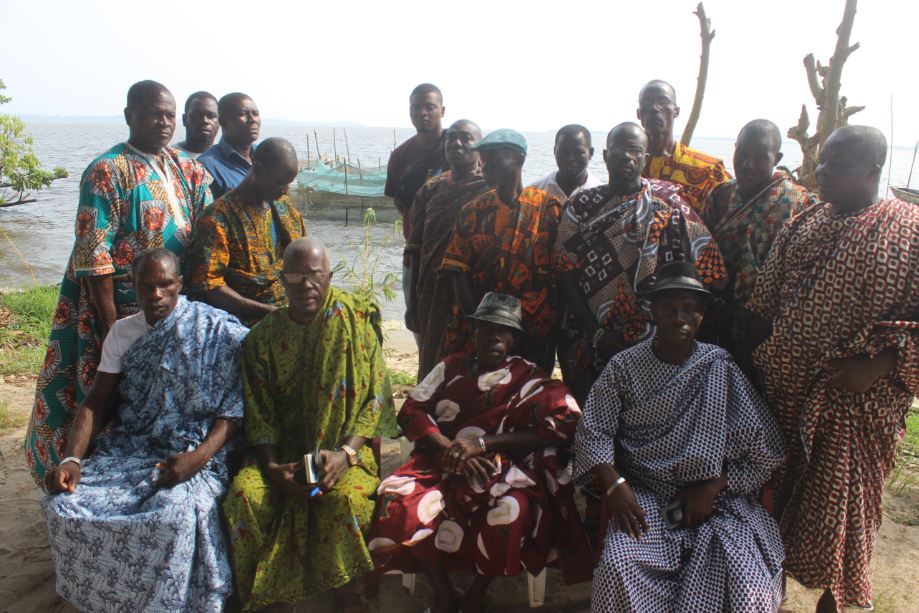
(682, 444)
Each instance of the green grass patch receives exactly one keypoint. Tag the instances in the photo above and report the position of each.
(398, 377)
(25, 323)
(10, 420)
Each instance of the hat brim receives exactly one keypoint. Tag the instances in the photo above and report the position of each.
(495, 318)
(493, 146)
(685, 284)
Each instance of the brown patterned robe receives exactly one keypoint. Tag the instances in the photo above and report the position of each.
(836, 286)
(434, 213)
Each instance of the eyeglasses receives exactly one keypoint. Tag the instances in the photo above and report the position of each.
(313, 278)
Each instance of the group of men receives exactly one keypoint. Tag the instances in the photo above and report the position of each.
(814, 297)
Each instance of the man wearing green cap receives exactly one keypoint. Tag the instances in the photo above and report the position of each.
(502, 243)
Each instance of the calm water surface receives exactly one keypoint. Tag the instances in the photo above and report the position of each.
(42, 232)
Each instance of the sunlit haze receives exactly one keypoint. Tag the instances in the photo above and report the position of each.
(526, 65)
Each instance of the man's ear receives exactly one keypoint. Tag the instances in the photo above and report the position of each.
(127, 116)
(778, 157)
(676, 111)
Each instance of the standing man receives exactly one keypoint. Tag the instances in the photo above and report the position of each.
(314, 380)
(230, 159)
(135, 196)
(502, 243)
(434, 213)
(415, 161)
(200, 121)
(611, 240)
(840, 296)
(696, 172)
(573, 152)
(239, 241)
(746, 214)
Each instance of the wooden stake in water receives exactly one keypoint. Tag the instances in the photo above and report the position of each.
(347, 148)
(334, 145)
(318, 152)
(890, 155)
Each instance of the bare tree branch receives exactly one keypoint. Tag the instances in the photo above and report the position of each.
(707, 34)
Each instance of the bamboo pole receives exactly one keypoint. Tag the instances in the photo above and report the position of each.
(707, 34)
(334, 145)
(909, 179)
(347, 148)
(318, 152)
(307, 149)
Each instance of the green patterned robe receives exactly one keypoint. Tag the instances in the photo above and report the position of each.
(308, 386)
(124, 209)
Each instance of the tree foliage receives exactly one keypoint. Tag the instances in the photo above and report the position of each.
(20, 169)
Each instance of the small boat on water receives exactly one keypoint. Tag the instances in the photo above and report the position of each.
(906, 194)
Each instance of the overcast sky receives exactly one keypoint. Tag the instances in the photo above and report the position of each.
(528, 65)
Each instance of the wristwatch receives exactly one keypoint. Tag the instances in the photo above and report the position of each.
(353, 458)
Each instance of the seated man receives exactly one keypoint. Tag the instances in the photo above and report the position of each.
(487, 490)
(682, 444)
(502, 243)
(314, 381)
(573, 152)
(136, 525)
(237, 244)
(697, 173)
(745, 216)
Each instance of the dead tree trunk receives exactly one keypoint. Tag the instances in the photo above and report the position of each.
(825, 83)
(707, 34)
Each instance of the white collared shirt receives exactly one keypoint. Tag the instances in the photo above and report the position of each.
(549, 184)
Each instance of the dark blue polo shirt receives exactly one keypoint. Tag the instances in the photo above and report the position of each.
(226, 166)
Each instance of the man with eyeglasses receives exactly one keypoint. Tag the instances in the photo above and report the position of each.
(611, 239)
(238, 242)
(230, 159)
(314, 382)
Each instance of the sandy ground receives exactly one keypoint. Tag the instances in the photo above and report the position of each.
(27, 575)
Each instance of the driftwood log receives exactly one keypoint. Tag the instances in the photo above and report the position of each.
(825, 83)
(707, 34)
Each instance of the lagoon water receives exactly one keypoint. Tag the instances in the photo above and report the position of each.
(36, 239)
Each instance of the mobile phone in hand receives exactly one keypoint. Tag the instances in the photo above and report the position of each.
(672, 514)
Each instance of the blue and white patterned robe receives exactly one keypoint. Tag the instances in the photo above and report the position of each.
(120, 543)
(665, 426)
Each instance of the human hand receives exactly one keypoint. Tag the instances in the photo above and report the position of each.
(334, 465)
(479, 470)
(180, 467)
(698, 501)
(284, 477)
(625, 512)
(459, 451)
(858, 373)
(64, 478)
